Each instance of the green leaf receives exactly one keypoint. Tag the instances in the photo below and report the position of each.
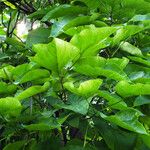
(6, 72)
(57, 27)
(90, 41)
(127, 119)
(126, 32)
(39, 35)
(46, 124)
(131, 49)
(19, 71)
(33, 90)
(10, 106)
(33, 75)
(126, 89)
(141, 100)
(140, 60)
(91, 4)
(81, 20)
(74, 103)
(119, 138)
(87, 88)
(56, 55)
(63, 10)
(114, 101)
(15, 146)
(140, 18)
(7, 88)
(99, 66)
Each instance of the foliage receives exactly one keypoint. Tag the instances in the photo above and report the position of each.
(80, 80)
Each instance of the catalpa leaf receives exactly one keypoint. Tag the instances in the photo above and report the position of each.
(74, 103)
(81, 20)
(63, 10)
(99, 66)
(7, 88)
(131, 49)
(87, 88)
(33, 75)
(127, 119)
(126, 32)
(126, 89)
(142, 100)
(56, 55)
(90, 41)
(145, 62)
(33, 90)
(10, 106)
(114, 101)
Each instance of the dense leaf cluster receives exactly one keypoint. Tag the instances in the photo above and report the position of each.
(80, 80)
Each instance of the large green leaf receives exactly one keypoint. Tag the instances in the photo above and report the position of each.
(19, 71)
(87, 88)
(141, 100)
(126, 89)
(145, 62)
(39, 35)
(91, 4)
(99, 66)
(10, 106)
(55, 55)
(140, 18)
(81, 20)
(33, 90)
(6, 72)
(63, 10)
(90, 41)
(114, 101)
(131, 49)
(46, 124)
(126, 32)
(114, 137)
(6, 88)
(33, 75)
(15, 146)
(74, 103)
(127, 119)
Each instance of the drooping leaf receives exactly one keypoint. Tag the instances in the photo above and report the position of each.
(127, 119)
(131, 49)
(141, 100)
(140, 18)
(114, 101)
(6, 72)
(87, 88)
(145, 62)
(20, 70)
(126, 32)
(116, 140)
(74, 103)
(63, 10)
(81, 20)
(15, 146)
(10, 106)
(126, 89)
(98, 66)
(7, 88)
(33, 90)
(33, 75)
(91, 4)
(46, 124)
(39, 35)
